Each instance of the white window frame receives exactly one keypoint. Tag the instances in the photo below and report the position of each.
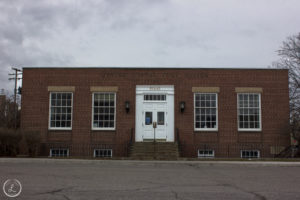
(49, 120)
(217, 108)
(258, 153)
(260, 114)
(115, 106)
(206, 155)
(68, 152)
(111, 155)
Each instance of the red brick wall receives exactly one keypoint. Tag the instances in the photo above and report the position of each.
(227, 140)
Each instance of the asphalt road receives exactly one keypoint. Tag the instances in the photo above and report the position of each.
(97, 179)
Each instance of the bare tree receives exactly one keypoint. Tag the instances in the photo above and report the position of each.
(289, 54)
(7, 110)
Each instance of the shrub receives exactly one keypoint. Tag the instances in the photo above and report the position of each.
(32, 139)
(9, 142)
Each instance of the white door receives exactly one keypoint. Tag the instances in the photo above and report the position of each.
(154, 104)
(154, 113)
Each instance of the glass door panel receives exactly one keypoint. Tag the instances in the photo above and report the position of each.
(148, 118)
(160, 118)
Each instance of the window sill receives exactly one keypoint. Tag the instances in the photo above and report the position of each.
(206, 157)
(103, 130)
(206, 130)
(249, 130)
(60, 129)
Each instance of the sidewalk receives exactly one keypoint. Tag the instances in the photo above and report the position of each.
(199, 162)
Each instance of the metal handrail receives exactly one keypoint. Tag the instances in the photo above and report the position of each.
(178, 140)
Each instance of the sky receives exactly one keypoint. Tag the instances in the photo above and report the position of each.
(143, 33)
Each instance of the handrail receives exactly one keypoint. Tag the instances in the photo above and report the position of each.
(289, 151)
(178, 140)
(130, 141)
(131, 136)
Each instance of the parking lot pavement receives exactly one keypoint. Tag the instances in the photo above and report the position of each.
(113, 179)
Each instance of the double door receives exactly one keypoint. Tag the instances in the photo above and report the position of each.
(154, 122)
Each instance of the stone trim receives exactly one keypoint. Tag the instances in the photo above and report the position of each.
(248, 89)
(61, 88)
(103, 88)
(206, 89)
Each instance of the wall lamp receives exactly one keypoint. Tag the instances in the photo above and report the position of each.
(182, 106)
(127, 106)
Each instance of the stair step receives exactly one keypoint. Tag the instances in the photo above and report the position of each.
(157, 151)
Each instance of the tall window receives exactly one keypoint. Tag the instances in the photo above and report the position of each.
(206, 111)
(61, 110)
(104, 111)
(249, 114)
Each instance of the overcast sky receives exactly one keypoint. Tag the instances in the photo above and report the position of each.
(165, 33)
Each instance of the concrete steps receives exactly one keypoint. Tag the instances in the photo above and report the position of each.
(154, 151)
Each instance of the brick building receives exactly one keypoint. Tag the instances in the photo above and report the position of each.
(208, 112)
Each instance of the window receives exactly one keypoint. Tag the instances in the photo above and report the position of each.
(250, 154)
(205, 153)
(249, 112)
(61, 110)
(104, 111)
(154, 97)
(59, 152)
(104, 153)
(148, 118)
(160, 118)
(206, 111)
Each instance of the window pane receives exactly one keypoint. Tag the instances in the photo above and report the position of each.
(68, 123)
(214, 125)
(111, 124)
(202, 125)
(148, 118)
(160, 118)
(213, 104)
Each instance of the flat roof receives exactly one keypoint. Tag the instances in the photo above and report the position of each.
(118, 67)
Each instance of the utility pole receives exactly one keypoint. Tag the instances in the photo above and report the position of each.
(15, 78)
